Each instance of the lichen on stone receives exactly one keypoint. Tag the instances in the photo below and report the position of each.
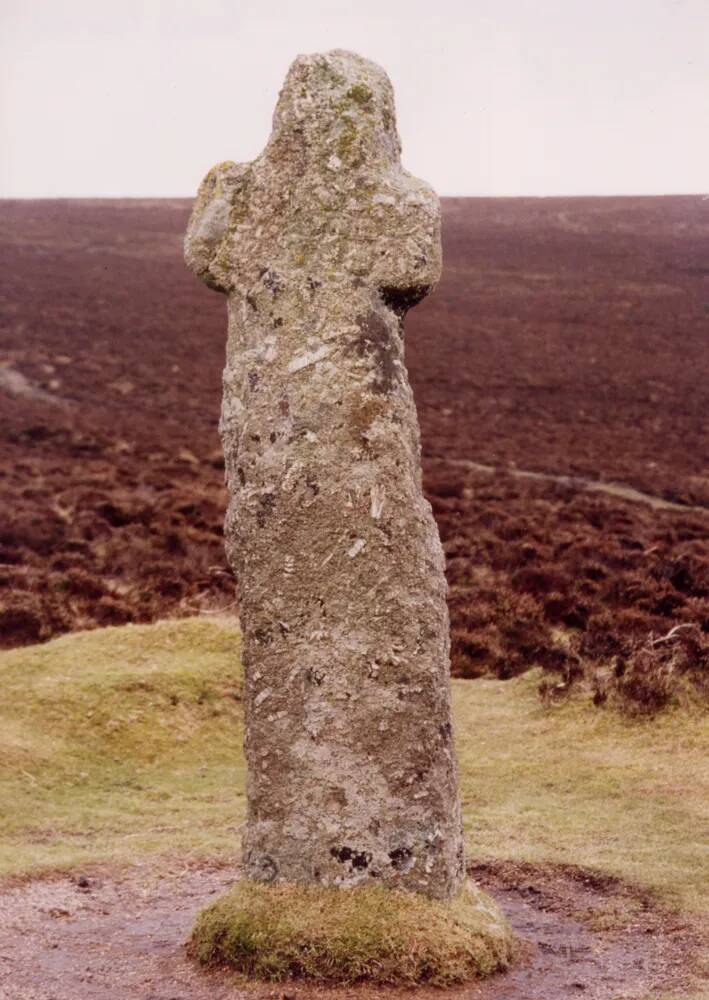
(321, 245)
(360, 93)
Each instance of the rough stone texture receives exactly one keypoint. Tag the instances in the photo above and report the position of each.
(322, 244)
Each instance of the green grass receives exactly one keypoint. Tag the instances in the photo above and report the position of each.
(373, 934)
(578, 785)
(126, 742)
(121, 742)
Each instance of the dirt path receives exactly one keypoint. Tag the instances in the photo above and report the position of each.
(104, 936)
(578, 483)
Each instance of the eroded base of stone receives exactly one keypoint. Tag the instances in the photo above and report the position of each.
(353, 935)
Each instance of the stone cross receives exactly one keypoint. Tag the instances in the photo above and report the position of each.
(322, 244)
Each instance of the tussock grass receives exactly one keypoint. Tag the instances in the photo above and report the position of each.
(346, 936)
(125, 742)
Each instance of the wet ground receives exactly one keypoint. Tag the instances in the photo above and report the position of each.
(104, 934)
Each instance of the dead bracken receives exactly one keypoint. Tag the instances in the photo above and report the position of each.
(117, 527)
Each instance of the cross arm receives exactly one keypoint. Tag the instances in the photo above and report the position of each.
(408, 264)
(222, 198)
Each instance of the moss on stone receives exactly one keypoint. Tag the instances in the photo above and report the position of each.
(360, 94)
(213, 182)
(367, 934)
(347, 140)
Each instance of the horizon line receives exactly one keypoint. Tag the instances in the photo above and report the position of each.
(703, 195)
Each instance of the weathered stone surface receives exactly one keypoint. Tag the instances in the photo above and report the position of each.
(322, 244)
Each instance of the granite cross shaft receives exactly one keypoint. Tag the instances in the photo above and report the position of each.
(322, 244)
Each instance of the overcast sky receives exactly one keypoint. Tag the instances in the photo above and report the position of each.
(494, 97)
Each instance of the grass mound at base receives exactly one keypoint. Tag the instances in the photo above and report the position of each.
(353, 935)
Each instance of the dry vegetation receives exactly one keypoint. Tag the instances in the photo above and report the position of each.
(568, 336)
(605, 595)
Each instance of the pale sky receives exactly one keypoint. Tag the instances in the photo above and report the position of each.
(494, 97)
